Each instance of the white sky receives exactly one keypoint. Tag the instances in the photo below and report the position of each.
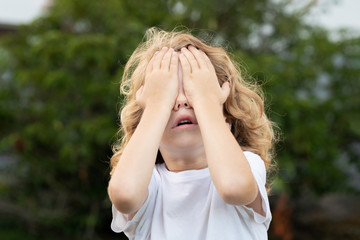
(343, 14)
(20, 11)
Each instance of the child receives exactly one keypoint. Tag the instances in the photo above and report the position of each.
(196, 145)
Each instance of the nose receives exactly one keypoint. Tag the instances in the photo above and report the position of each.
(181, 100)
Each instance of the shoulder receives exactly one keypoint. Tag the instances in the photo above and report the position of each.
(251, 155)
(257, 166)
(254, 160)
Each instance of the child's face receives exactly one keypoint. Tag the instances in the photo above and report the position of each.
(182, 132)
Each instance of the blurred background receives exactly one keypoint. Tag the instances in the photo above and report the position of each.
(61, 63)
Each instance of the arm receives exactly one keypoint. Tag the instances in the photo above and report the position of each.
(229, 168)
(128, 187)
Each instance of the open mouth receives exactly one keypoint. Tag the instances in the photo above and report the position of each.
(184, 122)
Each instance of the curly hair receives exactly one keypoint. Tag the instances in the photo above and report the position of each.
(243, 110)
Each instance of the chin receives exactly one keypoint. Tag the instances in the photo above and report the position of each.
(185, 143)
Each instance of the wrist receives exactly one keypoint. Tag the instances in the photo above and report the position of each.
(157, 109)
(209, 111)
(207, 104)
(211, 116)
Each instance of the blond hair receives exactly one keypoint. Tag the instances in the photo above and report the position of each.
(244, 108)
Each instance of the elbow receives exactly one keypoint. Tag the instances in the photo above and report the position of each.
(238, 192)
(123, 198)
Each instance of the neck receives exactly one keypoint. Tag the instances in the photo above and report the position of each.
(184, 160)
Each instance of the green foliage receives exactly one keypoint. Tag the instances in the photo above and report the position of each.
(59, 99)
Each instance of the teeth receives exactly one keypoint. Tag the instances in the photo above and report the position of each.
(184, 122)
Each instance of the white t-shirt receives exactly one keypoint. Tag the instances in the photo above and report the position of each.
(186, 205)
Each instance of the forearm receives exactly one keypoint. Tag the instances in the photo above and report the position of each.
(228, 166)
(128, 187)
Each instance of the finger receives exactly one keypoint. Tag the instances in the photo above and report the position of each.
(225, 91)
(198, 56)
(165, 62)
(207, 61)
(191, 59)
(185, 65)
(149, 67)
(174, 64)
(159, 57)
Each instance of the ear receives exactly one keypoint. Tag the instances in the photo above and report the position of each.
(225, 91)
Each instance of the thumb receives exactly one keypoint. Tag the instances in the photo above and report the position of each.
(139, 95)
(225, 91)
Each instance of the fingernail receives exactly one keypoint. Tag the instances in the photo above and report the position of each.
(156, 52)
(165, 48)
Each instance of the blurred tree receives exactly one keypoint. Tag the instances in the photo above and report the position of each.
(59, 99)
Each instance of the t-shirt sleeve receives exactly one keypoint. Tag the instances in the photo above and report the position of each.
(258, 169)
(139, 225)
